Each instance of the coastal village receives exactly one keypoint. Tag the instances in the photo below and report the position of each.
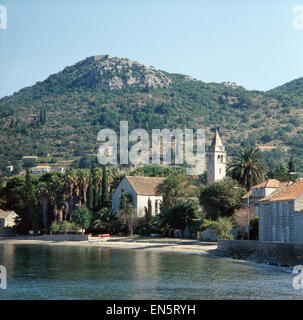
(268, 212)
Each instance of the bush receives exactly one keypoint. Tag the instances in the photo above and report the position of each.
(222, 227)
(82, 217)
(55, 227)
(64, 226)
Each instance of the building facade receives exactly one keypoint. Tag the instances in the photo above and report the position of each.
(41, 169)
(141, 189)
(281, 214)
(7, 218)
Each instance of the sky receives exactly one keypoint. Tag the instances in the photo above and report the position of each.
(251, 43)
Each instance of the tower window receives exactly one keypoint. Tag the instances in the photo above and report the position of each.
(220, 170)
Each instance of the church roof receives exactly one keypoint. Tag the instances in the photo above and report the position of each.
(217, 143)
(145, 186)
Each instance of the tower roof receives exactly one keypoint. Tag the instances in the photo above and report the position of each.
(217, 144)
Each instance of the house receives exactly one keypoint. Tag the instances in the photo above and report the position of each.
(141, 189)
(58, 169)
(7, 218)
(281, 214)
(40, 169)
(10, 168)
(263, 148)
(29, 159)
(260, 191)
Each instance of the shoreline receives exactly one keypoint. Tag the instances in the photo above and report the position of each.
(142, 244)
(169, 245)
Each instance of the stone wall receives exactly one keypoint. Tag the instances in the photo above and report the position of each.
(275, 252)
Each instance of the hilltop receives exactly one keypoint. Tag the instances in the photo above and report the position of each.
(62, 115)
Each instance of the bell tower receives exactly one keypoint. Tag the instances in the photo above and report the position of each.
(216, 160)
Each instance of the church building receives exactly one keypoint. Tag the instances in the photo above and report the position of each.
(216, 160)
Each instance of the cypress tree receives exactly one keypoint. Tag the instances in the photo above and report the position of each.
(105, 195)
(44, 116)
(90, 198)
(148, 213)
(291, 165)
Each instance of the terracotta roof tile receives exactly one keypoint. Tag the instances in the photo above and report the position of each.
(269, 183)
(291, 192)
(283, 186)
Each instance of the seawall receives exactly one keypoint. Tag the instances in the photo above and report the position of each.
(276, 253)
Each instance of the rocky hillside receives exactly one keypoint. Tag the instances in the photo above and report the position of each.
(62, 115)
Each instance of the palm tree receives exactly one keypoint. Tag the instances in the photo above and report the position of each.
(70, 182)
(107, 217)
(43, 193)
(84, 179)
(247, 168)
(97, 177)
(56, 188)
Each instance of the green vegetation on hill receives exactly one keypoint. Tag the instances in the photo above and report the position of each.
(62, 115)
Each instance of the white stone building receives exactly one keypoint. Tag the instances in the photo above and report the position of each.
(141, 189)
(7, 218)
(57, 169)
(258, 192)
(41, 169)
(281, 214)
(216, 160)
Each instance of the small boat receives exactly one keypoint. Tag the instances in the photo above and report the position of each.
(104, 235)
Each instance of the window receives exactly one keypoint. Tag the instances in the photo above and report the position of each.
(274, 209)
(280, 208)
(273, 230)
(156, 207)
(287, 233)
(286, 208)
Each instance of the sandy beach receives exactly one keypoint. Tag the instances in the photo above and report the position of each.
(134, 243)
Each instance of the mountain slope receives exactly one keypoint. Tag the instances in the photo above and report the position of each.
(62, 115)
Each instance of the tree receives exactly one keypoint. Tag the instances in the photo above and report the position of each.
(82, 217)
(222, 227)
(125, 206)
(105, 195)
(90, 196)
(282, 173)
(181, 216)
(247, 168)
(148, 214)
(291, 166)
(221, 199)
(174, 188)
(106, 220)
(70, 182)
(43, 193)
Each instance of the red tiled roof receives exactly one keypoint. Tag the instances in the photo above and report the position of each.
(269, 183)
(291, 192)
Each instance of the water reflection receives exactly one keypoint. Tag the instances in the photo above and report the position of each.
(63, 272)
